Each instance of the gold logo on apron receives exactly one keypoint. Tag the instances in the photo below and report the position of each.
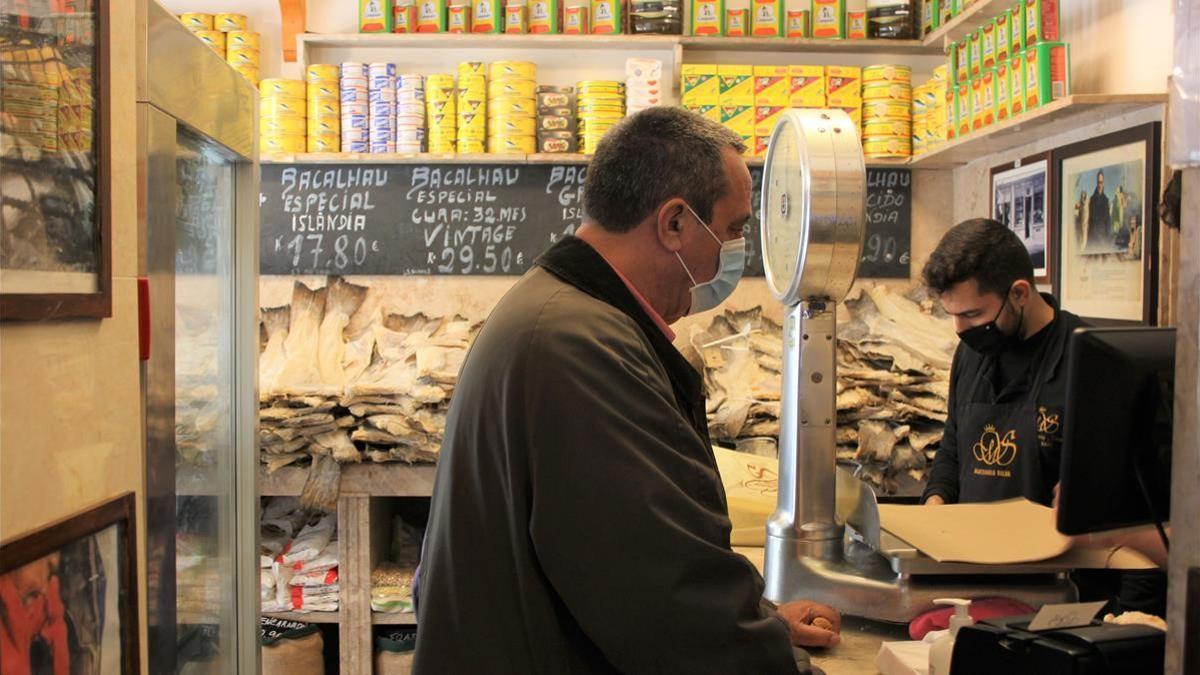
(994, 449)
(1048, 423)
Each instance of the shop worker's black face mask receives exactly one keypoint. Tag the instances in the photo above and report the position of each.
(987, 339)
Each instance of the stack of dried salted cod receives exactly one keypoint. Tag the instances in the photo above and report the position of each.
(894, 355)
(340, 378)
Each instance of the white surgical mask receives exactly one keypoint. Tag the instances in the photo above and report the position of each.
(713, 292)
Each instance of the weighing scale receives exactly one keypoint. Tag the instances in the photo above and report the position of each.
(824, 541)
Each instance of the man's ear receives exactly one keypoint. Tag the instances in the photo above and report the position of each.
(669, 224)
(1022, 290)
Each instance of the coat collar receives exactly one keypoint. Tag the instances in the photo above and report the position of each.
(575, 262)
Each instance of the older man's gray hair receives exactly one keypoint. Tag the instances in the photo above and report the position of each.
(653, 156)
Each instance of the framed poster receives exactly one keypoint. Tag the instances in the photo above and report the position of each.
(1023, 199)
(68, 595)
(55, 229)
(1108, 226)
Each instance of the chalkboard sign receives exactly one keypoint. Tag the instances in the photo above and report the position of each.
(461, 219)
(465, 219)
(888, 241)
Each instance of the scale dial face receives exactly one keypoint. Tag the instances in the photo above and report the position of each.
(784, 211)
(812, 206)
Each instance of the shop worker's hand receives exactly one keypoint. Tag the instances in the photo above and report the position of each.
(935, 500)
(812, 624)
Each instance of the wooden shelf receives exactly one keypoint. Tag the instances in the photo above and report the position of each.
(432, 158)
(369, 479)
(1065, 114)
(488, 41)
(968, 21)
(810, 45)
(394, 619)
(306, 617)
(421, 158)
(612, 42)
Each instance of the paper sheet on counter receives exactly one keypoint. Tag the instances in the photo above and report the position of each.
(998, 533)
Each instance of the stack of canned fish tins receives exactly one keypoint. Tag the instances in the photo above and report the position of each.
(354, 107)
(556, 119)
(441, 113)
(929, 112)
(472, 94)
(381, 95)
(410, 113)
(601, 106)
(887, 111)
(228, 36)
(512, 107)
(324, 108)
(282, 124)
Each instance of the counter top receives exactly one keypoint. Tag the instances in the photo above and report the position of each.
(855, 655)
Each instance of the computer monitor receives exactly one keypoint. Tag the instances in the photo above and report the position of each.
(1116, 450)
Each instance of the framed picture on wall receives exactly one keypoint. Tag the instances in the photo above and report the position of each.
(1107, 224)
(1023, 199)
(55, 236)
(68, 595)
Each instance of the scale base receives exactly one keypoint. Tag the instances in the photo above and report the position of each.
(858, 581)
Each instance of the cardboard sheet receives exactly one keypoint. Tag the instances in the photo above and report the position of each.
(996, 533)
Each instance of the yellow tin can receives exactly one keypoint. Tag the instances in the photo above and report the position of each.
(522, 70)
(471, 147)
(282, 124)
(441, 108)
(241, 55)
(887, 72)
(472, 126)
(883, 147)
(441, 147)
(275, 87)
(439, 80)
(512, 144)
(318, 127)
(887, 91)
(512, 87)
(248, 71)
(321, 108)
(472, 68)
(511, 105)
(887, 127)
(322, 90)
(197, 20)
(884, 109)
(243, 38)
(324, 143)
(283, 142)
(514, 125)
(226, 22)
(323, 72)
(212, 38)
(283, 105)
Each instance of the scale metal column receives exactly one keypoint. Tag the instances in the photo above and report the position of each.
(813, 216)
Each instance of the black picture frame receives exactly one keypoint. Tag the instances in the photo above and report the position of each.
(62, 565)
(1100, 304)
(1049, 207)
(48, 198)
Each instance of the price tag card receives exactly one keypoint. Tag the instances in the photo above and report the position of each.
(1057, 617)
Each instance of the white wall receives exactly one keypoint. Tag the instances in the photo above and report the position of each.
(1119, 46)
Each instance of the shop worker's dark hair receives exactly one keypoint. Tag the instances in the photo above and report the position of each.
(981, 249)
(653, 156)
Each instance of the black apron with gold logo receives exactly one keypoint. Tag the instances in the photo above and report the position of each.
(1001, 443)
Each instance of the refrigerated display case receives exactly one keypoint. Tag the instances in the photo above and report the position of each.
(198, 248)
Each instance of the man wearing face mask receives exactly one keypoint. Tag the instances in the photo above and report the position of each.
(1003, 435)
(578, 522)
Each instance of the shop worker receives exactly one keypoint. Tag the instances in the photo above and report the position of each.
(578, 523)
(1003, 434)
